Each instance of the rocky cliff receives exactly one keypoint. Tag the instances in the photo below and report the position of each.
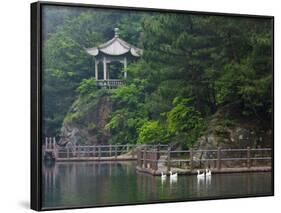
(86, 120)
(229, 129)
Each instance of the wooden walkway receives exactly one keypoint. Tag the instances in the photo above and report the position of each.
(70, 152)
(154, 161)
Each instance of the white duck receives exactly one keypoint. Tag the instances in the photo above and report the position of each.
(208, 172)
(200, 175)
(175, 175)
(163, 176)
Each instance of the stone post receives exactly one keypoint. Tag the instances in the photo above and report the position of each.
(115, 151)
(191, 159)
(144, 157)
(99, 152)
(169, 159)
(219, 158)
(248, 157)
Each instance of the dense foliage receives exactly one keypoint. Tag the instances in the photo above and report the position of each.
(191, 66)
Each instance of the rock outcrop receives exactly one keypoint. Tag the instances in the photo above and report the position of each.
(85, 124)
(229, 129)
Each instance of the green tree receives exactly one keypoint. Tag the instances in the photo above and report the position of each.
(129, 113)
(151, 132)
(184, 122)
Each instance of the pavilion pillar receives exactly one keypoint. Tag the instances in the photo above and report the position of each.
(96, 70)
(104, 68)
(125, 67)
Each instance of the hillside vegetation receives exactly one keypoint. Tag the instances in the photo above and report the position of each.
(193, 66)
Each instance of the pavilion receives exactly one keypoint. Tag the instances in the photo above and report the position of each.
(114, 50)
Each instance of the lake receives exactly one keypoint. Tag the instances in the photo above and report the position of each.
(73, 184)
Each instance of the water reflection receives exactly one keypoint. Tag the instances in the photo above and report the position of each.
(90, 183)
(163, 180)
(173, 180)
(208, 180)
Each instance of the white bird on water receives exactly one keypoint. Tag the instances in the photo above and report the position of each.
(200, 175)
(163, 176)
(208, 172)
(175, 175)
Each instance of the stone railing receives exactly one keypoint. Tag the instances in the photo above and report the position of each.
(110, 83)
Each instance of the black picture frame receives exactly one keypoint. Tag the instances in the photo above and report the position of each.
(36, 96)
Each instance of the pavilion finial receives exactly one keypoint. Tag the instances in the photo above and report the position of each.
(116, 30)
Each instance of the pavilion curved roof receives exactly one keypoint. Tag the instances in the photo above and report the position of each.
(115, 47)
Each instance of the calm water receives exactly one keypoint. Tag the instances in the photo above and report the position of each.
(89, 183)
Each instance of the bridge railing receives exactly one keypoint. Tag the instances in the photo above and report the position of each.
(49, 143)
(93, 152)
(98, 151)
(213, 158)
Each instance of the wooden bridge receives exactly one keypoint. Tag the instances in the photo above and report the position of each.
(155, 161)
(70, 152)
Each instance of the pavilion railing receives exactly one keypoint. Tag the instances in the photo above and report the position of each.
(111, 83)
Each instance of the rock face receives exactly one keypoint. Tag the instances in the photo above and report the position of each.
(87, 126)
(228, 129)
